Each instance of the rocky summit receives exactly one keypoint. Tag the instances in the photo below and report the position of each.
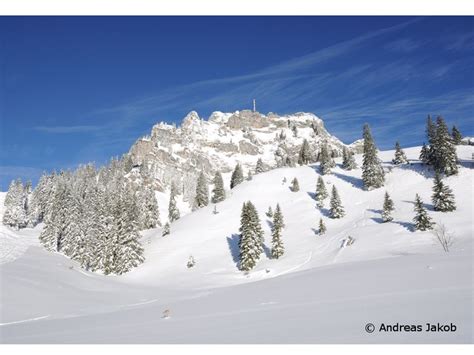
(179, 154)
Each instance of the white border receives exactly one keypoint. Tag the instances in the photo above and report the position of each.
(236, 7)
(235, 349)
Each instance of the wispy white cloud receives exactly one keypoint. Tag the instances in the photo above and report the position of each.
(403, 45)
(259, 82)
(67, 129)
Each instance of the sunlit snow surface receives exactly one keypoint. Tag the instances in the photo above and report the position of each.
(317, 292)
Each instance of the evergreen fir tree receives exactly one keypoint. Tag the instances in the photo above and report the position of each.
(260, 168)
(457, 137)
(400, 157)
(305, 154)
(295, 131)
(372, 171)
(249, 176)
(431, 136)
(173, 211)
(443, 197)
(166, 229)
(128, 252)
(202, 191)
(387, 208)
(322, 227)
(269, 213)
(15, 214)
(73, 225)
(295, 186)
(422, 220)
(53, 234)
(277, 243)
(326, 162)
(425, 154)
(256, 227)
(348, 161)
(251, 238)
(237, 176)
(149, 216)
(321, 192)
(336, 209)
(444, 151)
(218, 193)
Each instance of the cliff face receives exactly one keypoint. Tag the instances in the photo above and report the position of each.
(178, 154)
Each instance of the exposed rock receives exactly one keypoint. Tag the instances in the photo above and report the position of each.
(247, 118)
(179, 154)
(248, 148)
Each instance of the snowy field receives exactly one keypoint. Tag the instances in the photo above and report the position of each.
(317, 292)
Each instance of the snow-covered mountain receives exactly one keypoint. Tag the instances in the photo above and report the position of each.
(178, 154)
(318, 292)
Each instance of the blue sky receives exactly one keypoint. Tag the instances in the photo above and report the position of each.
(80, 89)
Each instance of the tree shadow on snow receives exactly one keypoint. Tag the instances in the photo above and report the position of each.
(233, 243)
(268, 251)
(269, 223)
(315, 231)
(377, 220)
(419, 168)
(409, 226)
(354, 181)
(325, 212)
(466, 163)
(374, 210)
(312, 195)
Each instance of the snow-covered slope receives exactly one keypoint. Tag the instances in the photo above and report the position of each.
(317, 292)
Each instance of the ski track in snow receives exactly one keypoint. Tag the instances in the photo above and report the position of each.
(25, 320)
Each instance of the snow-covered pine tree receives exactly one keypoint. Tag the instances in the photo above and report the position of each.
(372, 171)
(249, 175)
(431, 136)
(53, 233)
(269, 213)
(73, 227)
(348, 161)
(166, 229)
(321, 192)
(325, 160)
(387, 208)
(237, 176)
(295, 131)
(443, 197)
(202, 191)
(295, 186)
(89, 245)
(128, 251)
(400, 157)
(322, 227)
(444, 151)
(248, 256)
(425, 154)
(149, 213)
(218, 192)
(277, 243)
(457, 136)
(256, 227)
(173, 211)
(304, 156)
(260, 168)
(422, 220)
(336, 209)
(15, 214)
